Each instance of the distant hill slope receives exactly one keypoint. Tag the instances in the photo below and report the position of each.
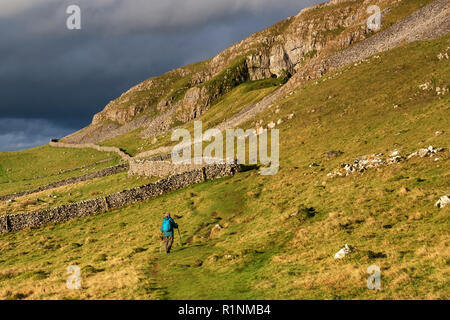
(292, 47)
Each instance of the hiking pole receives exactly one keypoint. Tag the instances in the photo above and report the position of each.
(181, 240)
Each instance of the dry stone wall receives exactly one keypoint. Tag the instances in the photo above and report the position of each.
(57, 144)
(16, 222)
(162, 166)
(159, 168)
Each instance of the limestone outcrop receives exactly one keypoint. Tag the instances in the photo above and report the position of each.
(181, 95)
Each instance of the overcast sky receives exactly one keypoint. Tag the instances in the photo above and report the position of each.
(53, 80)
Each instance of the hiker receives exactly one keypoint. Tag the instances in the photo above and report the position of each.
(167, 227)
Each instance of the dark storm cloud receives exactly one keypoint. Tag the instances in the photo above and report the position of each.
(63, 77)
(17, 134)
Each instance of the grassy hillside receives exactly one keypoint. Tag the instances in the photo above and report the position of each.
(74, 193)
(280, 232)
(28, 169)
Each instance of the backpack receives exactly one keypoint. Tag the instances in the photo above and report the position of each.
(167, 226)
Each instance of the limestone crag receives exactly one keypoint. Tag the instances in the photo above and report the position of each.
(156, 105)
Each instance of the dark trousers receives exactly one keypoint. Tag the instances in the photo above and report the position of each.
(168, 241)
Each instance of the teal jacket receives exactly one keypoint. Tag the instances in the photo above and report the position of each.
(172, 224)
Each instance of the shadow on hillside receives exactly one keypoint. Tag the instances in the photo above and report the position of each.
(246, 167)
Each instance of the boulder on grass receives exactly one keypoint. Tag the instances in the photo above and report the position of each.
(443, 201)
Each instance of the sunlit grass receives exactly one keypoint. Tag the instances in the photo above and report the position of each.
(77, 192)
(280, 232)
(28, 169)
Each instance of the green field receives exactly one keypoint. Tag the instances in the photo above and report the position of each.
(77, 192)
(28, 169)
(280, 232)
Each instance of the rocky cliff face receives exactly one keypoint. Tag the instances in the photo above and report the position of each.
(181, 95)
